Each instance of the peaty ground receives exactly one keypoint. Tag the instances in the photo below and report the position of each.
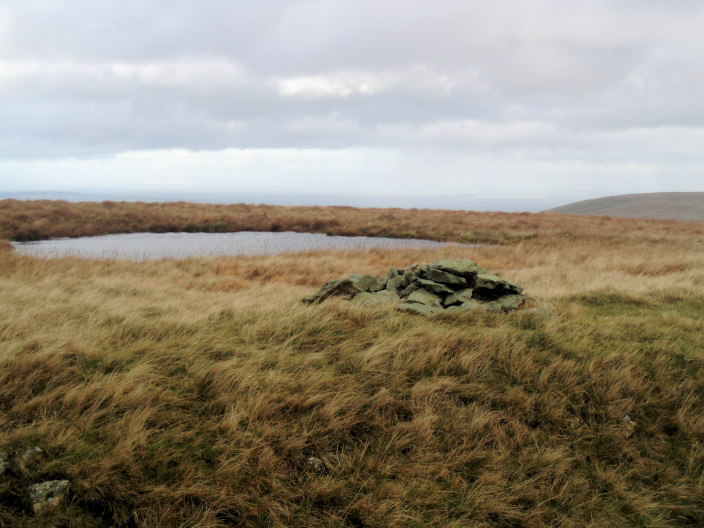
(192, 393)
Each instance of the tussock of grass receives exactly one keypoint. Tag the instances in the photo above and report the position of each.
(192, 393)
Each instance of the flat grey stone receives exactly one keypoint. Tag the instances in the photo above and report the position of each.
(424, 297)
(434, 287)
(462, 267)
(443, 277)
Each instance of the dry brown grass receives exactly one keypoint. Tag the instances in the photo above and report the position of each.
(35, 220)
(190, 393)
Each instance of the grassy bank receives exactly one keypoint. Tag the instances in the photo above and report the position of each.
(192, 393)
(41, 219)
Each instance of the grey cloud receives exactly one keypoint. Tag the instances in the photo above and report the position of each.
(553, 81)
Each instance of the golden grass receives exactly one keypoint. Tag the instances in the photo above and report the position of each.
(191, 393)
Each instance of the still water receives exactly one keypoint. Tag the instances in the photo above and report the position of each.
(151, 246)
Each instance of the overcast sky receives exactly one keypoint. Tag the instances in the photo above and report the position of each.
(527, 103)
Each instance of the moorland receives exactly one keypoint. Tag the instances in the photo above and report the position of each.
(195, 392)
(685, 206)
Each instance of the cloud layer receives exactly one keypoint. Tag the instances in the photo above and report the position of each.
(560, 93)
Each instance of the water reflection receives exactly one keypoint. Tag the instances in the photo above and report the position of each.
(151, 246)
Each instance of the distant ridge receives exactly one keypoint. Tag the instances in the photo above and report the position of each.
(684, 206)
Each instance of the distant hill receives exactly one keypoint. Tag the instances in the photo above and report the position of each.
(685, 206)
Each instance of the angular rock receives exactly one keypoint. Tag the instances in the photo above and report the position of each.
(510, 302)
(459, 297)
(417, 308)
(443, 277)
(629, 427)
(434, 287)
(315, 464)
(333, 287)
(489, 287)
(379, 297)
(425, 297)
(465, 268)
(363, 283)
(472, 304)
(47, 495)
(413, 286)
(397, 283)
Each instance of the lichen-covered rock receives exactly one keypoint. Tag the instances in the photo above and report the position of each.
(472, 304)
(443, 277)
(425, 297)
(461, 267)
(413, 286)
(434, 287)
(367, 283)
(417, 308)
(510, 302)
(397, 283)
(384, 296)
(3, 462)
(488, 287)
(333, 287)
(47, 495)
(459, 297)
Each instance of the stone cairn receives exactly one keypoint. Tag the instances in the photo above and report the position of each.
(427, 289)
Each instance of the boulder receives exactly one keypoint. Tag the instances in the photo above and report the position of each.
(47, 495)
(333, 287)
(459, 297)
(425, 297)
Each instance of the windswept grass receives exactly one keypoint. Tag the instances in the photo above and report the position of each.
(191, 393)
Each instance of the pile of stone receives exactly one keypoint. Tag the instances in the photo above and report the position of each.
(442, 286)
(39, 497)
